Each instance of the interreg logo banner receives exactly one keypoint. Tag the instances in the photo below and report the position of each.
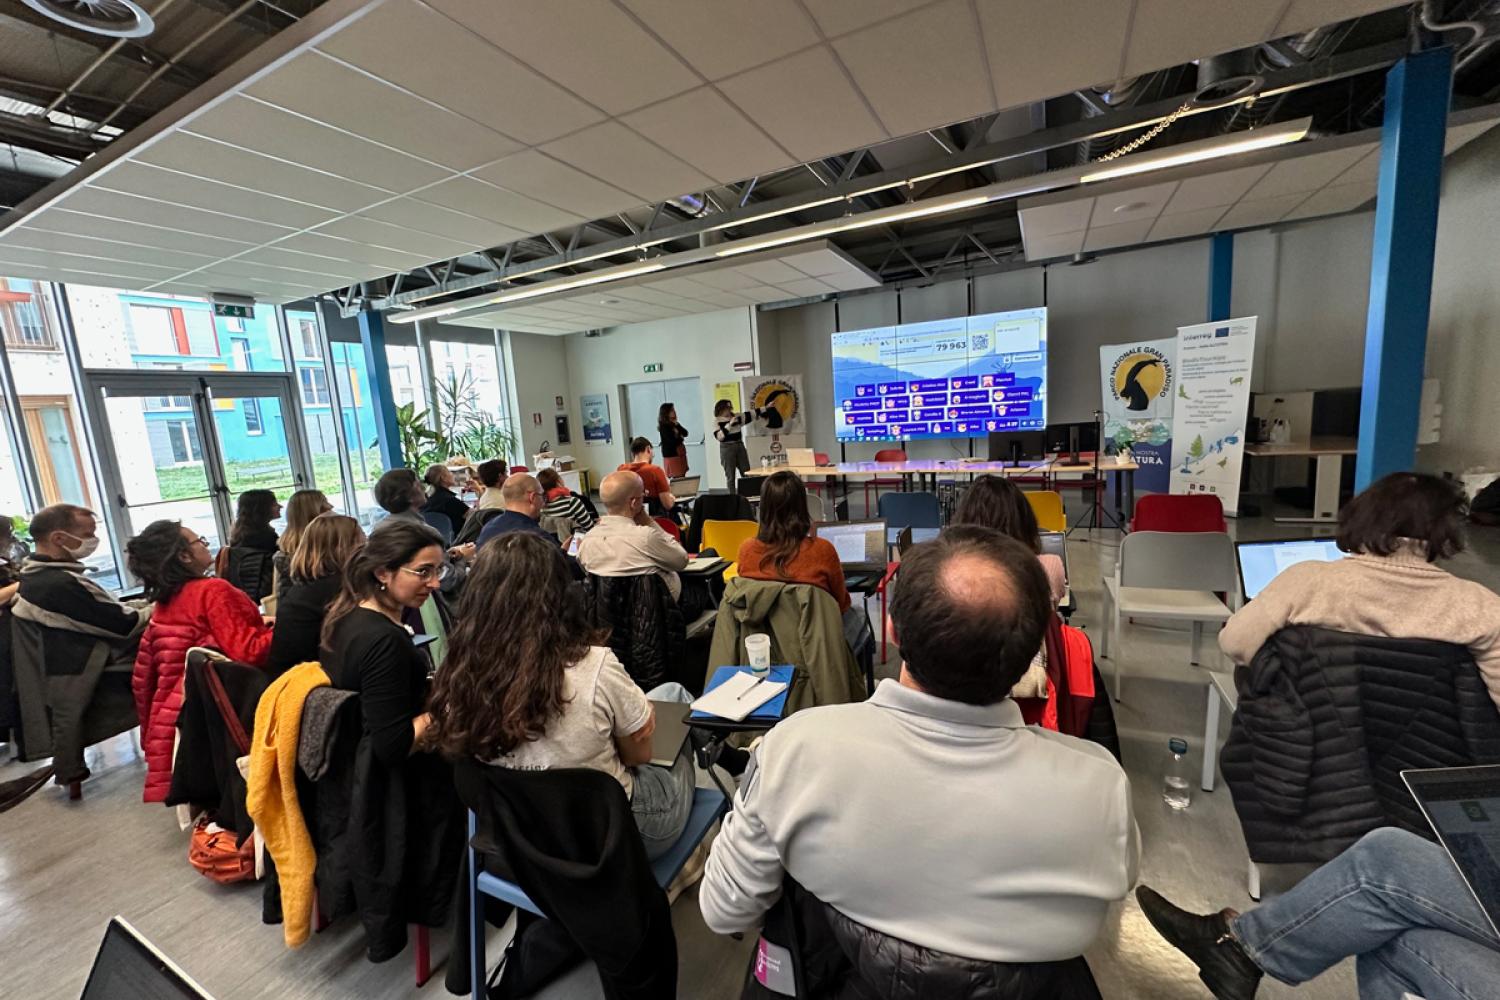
(1137, 383)
(1212, 401)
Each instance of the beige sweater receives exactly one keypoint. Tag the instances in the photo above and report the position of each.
(1401, 595)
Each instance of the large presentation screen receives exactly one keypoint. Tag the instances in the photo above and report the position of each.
(960, 377)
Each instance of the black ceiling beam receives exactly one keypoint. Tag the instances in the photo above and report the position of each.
(132, 53)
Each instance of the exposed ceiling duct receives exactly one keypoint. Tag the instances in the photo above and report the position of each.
(115, 18)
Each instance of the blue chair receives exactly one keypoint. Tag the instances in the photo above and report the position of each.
(440, 523)
(910, 510)
(709, 806)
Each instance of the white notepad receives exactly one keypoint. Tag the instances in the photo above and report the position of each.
(702, 562)
(738, 696)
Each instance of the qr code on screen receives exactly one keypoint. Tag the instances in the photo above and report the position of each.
(979, 343)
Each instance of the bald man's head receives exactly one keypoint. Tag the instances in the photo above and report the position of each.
(619, 490)
(523, 494)
(970, 614)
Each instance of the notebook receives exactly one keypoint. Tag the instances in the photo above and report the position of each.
(736, 694)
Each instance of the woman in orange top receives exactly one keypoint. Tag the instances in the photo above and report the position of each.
(783, 549)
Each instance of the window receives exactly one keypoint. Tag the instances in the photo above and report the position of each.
(171, 330)
(183, 441)
(239, 347)
(309, 348)
(253, 425)
(314, 386)
(23, 316)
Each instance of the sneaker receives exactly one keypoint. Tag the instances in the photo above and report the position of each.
(1223, 965)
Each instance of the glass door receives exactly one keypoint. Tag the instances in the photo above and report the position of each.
(184, 446)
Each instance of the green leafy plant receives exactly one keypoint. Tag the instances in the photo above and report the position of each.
(421, 446)
(487, 438)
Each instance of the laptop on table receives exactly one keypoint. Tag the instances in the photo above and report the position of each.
(686, 488)
(861, 545)
(1462, 804)
(1262, 562)
(671, 731)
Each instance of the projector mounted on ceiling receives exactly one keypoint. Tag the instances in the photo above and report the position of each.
(116, 18)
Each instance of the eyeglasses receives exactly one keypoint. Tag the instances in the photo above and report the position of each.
(200, 540)
(423, 573)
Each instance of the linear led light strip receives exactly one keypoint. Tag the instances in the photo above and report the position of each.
(1138, 163)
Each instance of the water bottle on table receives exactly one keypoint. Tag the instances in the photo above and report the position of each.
(1177, 791)
(758, 651)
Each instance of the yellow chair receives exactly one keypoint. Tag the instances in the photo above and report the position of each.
(1047, 505)
(725, 538)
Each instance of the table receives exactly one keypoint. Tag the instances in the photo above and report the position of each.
(1329, 452)
(1221, 691)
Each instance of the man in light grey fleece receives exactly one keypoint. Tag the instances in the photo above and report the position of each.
(932, 813)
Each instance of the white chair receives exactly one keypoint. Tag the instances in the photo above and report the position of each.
(1171, 575)
(816, 509)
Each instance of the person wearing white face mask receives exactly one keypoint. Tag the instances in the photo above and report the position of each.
(74, 612)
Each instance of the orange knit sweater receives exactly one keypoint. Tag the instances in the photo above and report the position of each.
(817, 563)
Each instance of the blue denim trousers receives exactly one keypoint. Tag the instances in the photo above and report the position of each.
(663, 796)
(1397, 903)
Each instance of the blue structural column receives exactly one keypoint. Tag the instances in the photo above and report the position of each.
(372, 337)
(1411, 165)
(1220, 275)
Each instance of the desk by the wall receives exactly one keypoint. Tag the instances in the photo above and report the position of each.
(1329, 452)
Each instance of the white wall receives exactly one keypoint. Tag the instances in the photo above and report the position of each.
(537, 369)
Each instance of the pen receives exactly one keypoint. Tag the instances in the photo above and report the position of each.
(752, 687)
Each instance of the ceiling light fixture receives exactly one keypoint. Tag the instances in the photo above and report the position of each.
(1196, 152)
(532, 291)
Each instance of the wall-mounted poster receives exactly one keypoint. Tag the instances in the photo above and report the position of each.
(729, 391)
(596, 418)
(779, 398)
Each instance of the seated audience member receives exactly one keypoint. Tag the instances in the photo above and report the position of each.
(301, 508)
(563, 503)
(248, 560)
(658, 490)
(552, 695)
(491, 477)
(191, 610)
(441, 499)
(1393, 901)
(996, 502)
(1389, 585)
(74, 613)
(1038, 837)
(783, 547)
(524, 501)
(317, 573)
(400, 494)
(626, 541)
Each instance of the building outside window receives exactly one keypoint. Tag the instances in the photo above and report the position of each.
(314, 386)
(24, 316)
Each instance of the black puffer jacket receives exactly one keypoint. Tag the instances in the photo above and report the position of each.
(646, 628)
(251, 563)
(819, 953)
(1326, 723)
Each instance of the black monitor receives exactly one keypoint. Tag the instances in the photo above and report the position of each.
(1013, 446)
(128, 967)
(1072, 438)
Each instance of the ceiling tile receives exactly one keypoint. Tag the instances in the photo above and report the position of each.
(1122, 234)
(838, 17)
(849, 281)
(1334, 199)
(1261, 211)
(380, 234)
(252, 125)
(817, 263)
(319, 281)
(61, 220)
(468, 229)
(331, 92)
(1137, 204)
(1364, 171)
(39, 239)
(416, 47)
(1060, 245)
(1215, 190)
(1181, 224)
(1026, 68)
(727, 278)
(1163, 33)
(296, 260)
(1050, 220)
(625, 67)
(81, 262)
(706, 131)
(807, 104)
(1302, 15)
(772, 272)
(508, 208)
(193, 154)
(553, 182)
(1461, 135)
(803, 287)
(722, 37)
(618, 156)
(183, 189)
(130, 208)
(920, 71)
(326, 245)
(1306, 173)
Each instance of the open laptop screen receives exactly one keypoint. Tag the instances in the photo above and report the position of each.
(1262, 562)
(127, 967)
(1463, 806)
(860, 544)
(687, 486)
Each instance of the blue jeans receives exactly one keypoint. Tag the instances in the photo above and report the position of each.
(1397, 903)
(663, 796)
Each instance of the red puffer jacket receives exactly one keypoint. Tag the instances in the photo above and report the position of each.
(208, 612)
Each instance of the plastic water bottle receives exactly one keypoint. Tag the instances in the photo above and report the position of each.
(1177, 792)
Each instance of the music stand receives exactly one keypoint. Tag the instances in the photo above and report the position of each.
(1097, 511)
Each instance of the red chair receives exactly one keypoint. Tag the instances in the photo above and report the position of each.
(819, 485)
(1187, 512)
(670, 527)
(876, 483)
(518, 468)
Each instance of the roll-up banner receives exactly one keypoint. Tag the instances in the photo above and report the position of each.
(1210, 408)
(1137, 381)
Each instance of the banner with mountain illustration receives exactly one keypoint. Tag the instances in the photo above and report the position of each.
(1136, 383)
(1211, 405)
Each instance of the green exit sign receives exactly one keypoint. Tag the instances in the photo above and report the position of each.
(648, 369)
(230, 311)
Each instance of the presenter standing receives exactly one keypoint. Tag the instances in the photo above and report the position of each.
(729, 431)
(673, 441)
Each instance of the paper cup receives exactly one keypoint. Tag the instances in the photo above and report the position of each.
(758, 650)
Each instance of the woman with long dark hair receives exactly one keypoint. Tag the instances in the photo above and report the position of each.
(317, 572)
(192, 609)
(673, 441)
(248, 561)
(365, 646)
(549, 694)
(996, 502)
(783, 547)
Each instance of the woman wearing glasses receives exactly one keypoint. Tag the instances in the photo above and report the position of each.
(192, 609)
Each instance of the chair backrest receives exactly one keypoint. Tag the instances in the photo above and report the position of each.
(821, 457)
(670, 527)
(715, 507)
(726, 537)
(646, 628)
(1185, 512)
(910, 510)
(815, 508)
(890, 455)
(1047, 505)
(518, 468)
(749, 486)
(475, 522)
(442, 523)
(1177, 560)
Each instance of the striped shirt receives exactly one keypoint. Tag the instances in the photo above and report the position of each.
(567, 507)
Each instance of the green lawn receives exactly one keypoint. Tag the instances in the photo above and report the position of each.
(180, 482)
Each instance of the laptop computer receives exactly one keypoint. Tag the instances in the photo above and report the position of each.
(861, 545)
(685, 488)
(671, 731)
(1261, 562)
(128, 967)
(799, 458)
(1462, 804)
